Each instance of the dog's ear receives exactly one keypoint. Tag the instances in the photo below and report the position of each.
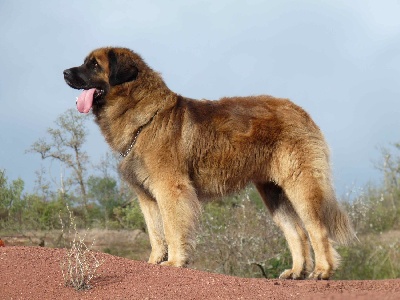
(122, 68)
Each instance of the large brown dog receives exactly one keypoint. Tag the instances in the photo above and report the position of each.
(178, 151)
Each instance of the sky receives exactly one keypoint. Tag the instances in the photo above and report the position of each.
(339, 60)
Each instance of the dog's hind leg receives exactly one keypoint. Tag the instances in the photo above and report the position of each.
(180, 210)
(287, 219)
(312, 197)
(152, 216)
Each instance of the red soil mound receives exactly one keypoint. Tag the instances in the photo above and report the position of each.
(34, 273)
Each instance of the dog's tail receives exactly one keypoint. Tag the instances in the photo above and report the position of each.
(334, 217)
(336, 220)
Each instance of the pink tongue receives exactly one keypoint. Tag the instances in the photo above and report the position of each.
(85, 101)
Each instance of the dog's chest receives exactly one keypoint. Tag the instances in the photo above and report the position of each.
(133, 170)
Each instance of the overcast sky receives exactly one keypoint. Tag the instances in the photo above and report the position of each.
(339, 60)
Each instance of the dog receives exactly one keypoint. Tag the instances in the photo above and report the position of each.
(177, 152)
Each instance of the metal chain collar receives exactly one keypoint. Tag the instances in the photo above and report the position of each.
(124, 154)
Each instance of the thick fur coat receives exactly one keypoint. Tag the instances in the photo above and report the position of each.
(179, 151)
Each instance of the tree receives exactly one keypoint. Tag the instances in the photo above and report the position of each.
(108, 167)
(11, 198)
(104, 192)
(65, 145)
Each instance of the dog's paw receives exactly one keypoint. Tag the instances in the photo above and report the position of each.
(157, 258)
(292, 274)
(320, 274)
(172, 264)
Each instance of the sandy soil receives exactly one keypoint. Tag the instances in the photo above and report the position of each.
(34, 273)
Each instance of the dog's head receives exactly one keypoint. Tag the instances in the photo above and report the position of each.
(103, 70)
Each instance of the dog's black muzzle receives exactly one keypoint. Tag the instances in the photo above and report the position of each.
(75, 79)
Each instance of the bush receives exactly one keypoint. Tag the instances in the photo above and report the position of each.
(130, 217)
(371, 258)
(79, 265)
(238, 238)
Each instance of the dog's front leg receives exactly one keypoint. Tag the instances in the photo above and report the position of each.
(180, 210)
(152, 216)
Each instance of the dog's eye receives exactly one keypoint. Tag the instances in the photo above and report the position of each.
(94, 64)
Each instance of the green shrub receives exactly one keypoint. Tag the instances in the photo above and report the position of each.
(130, 217)
(371, 258)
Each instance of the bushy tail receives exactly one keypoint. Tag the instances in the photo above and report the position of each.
(334, 217)
(337, 222)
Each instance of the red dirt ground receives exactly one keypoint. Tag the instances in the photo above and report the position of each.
(34, 273)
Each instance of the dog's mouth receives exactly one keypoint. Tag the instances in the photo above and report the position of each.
(98, 94)
(85, 100)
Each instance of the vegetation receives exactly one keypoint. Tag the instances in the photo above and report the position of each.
(79, 265)
(237, 236)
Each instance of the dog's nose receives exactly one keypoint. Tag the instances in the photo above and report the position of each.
(67, 72)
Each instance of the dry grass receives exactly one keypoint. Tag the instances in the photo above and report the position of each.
(79, 266)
